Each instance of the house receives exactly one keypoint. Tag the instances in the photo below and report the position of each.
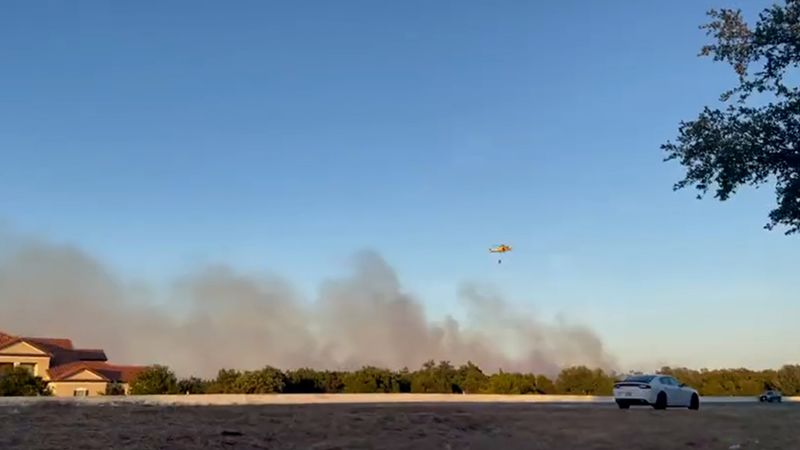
(68, 371)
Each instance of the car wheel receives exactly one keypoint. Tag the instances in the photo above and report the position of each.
(661, 401)
(694, 403)
(623, 405)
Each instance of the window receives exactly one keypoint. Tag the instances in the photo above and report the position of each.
(6, 366)
(30, 367)
(640, 378)
(80, 392)
(669, 381)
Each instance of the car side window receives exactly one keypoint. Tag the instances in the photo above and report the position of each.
(665, 380)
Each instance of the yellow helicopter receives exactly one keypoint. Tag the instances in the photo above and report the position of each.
(502, 248)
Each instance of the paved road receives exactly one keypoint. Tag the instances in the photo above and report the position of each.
(366, 399)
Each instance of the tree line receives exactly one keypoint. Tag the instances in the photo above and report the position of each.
(442, 377)
(449, 379)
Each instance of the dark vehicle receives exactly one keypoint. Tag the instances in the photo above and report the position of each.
(770, 396)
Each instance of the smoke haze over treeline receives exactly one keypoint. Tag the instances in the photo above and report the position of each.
(216, 318)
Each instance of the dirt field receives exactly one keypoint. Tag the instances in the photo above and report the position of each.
(430, 426)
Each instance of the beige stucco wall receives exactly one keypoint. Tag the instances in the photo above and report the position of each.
(84, 375)
(67, 388)
(42, 363)
(9, 355)
(22, 348)
(85, 379)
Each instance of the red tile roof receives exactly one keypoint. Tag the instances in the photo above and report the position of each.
(111, 372)
(14, 340)
(83, 354)
(61, 351)
(64, 344)
(5, 338)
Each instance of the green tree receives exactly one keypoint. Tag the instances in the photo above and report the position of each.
(545, 385)
(371, 379)
(155, 380)
(268, 380)
(748, 382)
(404, 378)
(115, 389)
(20, 382)
(684, 375)
(192, 385)
(756, 138)
(305, 380)
(512, 383)
(770, 378)
(581, 380)
(470, 379)
(789, 379)
(225, 383)
(434, 378)
(333, 382)
(443, 378)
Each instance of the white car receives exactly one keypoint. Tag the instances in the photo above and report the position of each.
(658, 391)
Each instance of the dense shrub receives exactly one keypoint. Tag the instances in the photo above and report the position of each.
(512, 383)
(192, 385)
(581, 380)
(115, 389)
(155, 380)
(225, 383)
(268, 380)
(435, 379)
(470, 379)
(371, 380)
(442, 377)
(19, 382)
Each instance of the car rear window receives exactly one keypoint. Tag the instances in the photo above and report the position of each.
(640, 378)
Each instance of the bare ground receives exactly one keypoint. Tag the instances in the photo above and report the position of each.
(409, 426)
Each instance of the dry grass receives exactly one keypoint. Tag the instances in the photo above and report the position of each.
(429, 426)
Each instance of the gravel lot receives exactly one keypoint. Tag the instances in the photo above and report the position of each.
(393, 426)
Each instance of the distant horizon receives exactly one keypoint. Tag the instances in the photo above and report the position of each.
(655, 368)
(621, 372)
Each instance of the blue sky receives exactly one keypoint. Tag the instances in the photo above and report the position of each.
(284, 136)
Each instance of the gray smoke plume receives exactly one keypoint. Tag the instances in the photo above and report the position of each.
(219, 319)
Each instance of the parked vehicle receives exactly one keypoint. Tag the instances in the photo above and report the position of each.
(656, 390)
(770, 396)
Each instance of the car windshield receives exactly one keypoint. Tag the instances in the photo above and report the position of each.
(640, 378)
